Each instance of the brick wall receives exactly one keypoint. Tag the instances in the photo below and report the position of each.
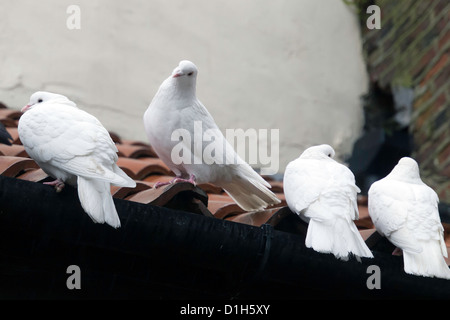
(411, 50)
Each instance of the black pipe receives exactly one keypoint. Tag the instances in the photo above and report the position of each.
(163, 253)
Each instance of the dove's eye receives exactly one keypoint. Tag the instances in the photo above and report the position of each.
(40, 100)
(190, 73)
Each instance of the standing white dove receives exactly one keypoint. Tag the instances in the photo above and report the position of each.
(323, 193)
(175, 110)
(405, 210)
(73, 147)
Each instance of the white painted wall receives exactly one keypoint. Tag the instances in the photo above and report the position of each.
(294, 65)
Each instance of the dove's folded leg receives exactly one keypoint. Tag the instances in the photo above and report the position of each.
(58, 184)
(175, 180)
(190, 180)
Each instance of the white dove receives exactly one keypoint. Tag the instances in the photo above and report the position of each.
(405, 210)
(176, 109)
(323, 193)
(73, 147)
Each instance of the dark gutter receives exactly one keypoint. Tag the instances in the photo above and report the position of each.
(161, 253)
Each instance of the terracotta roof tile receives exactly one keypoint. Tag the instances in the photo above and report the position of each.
(141, 163)
(123, 192)
(137, 143)
(10, 114)
(257, 218)
(14, 134)
(13, 166)
(35, 175)
(15, 150)
(152, 179)
(135, 151)
(140, 168)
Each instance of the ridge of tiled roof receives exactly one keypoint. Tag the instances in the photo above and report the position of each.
(141, 163)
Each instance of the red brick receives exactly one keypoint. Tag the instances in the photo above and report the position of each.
(424, 61)
(435, 69)
(444, 155)
(440, 6)
(444, 39)
(442, 78)
(420, 27)
(446, 171)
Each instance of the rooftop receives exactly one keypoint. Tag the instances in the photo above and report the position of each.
(33, 212)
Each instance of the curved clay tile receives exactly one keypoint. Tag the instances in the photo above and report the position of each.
(135, 151)
(364, 220)
(8, 122)
(225, 209)
(152, 179)
(14, 134)
(115, 137)
(13, 166)
(141, 168)
(123, 192)
(257, 218)
(35, 175)
(136, 143)
(210, 188)
(15, 150)
(163, 195)
(276, 186)
(10, 113)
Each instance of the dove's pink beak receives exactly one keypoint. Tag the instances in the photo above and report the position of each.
(176, 75)
(25, 108)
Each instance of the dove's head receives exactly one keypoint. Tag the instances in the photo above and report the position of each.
(406, 170)
(323, 151)
(43, 96)
(185, 72)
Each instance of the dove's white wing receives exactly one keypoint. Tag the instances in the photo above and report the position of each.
(71, 140)
(304, 181)
(407, 214)
(389, 203)
(423, 218)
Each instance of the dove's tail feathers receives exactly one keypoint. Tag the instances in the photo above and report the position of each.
(96, 200)
(127, 181)
(429, 262)
(250, 194)
(338, 236)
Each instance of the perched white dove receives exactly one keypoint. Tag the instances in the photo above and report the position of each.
(323, 193)
(405, 210)
(73, 147)
(175, 110)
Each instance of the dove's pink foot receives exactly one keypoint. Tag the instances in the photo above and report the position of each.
(190, 180)
(59, 185)
(160, 184)
(176, 180)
